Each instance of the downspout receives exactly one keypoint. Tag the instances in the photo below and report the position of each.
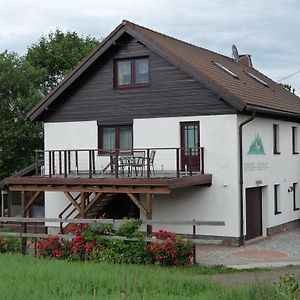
(242, 177)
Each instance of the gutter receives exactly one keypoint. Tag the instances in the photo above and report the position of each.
(242, 237)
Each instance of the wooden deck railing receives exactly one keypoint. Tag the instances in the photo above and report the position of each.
(137, 162)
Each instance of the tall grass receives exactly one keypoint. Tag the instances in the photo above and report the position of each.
(32, 278)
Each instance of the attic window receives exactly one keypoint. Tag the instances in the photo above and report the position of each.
(131, 72)
(257, 79)
(225, 70)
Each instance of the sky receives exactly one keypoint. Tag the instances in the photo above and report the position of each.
(269, 30)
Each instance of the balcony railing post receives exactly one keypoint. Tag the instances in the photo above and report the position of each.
(76, 162)
(148, 163)
(190, 161)
(202, 160)
(117, 163)
(36, 163)
(65, 164)
(93, 162)
(69, 161)
(90, 163)
(50, 163)
(177, 163)
(59, 162)
(53, 162)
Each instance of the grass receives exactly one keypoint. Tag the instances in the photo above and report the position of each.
(32, 278)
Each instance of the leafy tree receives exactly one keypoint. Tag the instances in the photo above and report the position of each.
(57, 53)
(288, 87)
(24, 80)
(19, 92)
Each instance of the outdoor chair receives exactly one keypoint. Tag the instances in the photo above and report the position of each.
(124, 162)
(151, 161)
(137, 163)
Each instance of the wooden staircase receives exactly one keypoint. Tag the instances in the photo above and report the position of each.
(94, 212)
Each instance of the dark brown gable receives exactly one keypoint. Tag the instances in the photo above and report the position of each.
(170, 92)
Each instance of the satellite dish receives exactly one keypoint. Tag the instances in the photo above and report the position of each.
(235, 53)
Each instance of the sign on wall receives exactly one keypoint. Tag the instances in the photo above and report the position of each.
(256, 147)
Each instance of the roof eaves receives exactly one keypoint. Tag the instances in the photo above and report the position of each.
(270, 111)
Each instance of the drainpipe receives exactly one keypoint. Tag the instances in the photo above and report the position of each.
(242, 178)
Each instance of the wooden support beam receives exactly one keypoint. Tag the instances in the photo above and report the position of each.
(137, 203)
(24, 239)
(149, 198)
(98, 196)
(73, 201)
(95, 189)
(31, 201)
(82, 204)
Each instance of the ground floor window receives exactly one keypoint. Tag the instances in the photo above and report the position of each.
(115, 137)
(295, 200)
(276, 200)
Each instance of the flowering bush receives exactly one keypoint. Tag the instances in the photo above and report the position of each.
(169, 249)
(75, 248)
(89, 242)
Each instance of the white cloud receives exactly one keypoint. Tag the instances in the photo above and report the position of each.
(267, 29)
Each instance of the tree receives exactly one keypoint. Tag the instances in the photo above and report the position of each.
(24, 80)
(288, 87)
(57, 53)
(19, 92)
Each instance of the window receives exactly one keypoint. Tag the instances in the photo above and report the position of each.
(118, 137)
(276, 139)
(131, 72)
(257, 79)
(295, 140)
(296, 207)
(226, 70)
(276, 200)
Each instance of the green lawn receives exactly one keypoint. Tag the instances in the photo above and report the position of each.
(33, 278)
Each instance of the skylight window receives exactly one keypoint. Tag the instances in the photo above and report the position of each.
(225, 70)
(257, 79)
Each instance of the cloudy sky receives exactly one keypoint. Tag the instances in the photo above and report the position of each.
(269, 30)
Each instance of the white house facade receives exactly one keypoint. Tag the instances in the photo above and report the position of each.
(152, 127)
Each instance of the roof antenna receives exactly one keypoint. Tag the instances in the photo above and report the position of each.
(235, 53)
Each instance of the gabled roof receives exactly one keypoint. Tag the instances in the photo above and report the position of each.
(246, 88)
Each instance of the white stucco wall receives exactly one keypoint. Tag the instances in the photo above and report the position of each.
(218, 136)
(65, 136)
(268, 169)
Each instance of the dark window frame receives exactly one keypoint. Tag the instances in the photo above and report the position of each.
(295, 140)
(117, 137)
(276, 198)
(276, 139)
(133, 83)
(294, 197)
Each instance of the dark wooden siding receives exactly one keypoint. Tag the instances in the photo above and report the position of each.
(170, 93)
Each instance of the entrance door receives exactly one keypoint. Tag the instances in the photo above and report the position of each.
(253, 213)
(190, 143)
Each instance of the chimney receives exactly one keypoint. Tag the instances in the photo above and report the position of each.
(245, 59)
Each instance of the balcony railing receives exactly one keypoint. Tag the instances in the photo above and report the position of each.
(117, 163)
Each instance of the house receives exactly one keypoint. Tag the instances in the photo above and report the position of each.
(151, 126)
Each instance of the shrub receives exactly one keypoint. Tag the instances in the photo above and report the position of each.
(90, 242)
(288, 287)
(9, 244)
(130, 228)
(169, 249)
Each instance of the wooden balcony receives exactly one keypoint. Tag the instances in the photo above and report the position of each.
(139, 170)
